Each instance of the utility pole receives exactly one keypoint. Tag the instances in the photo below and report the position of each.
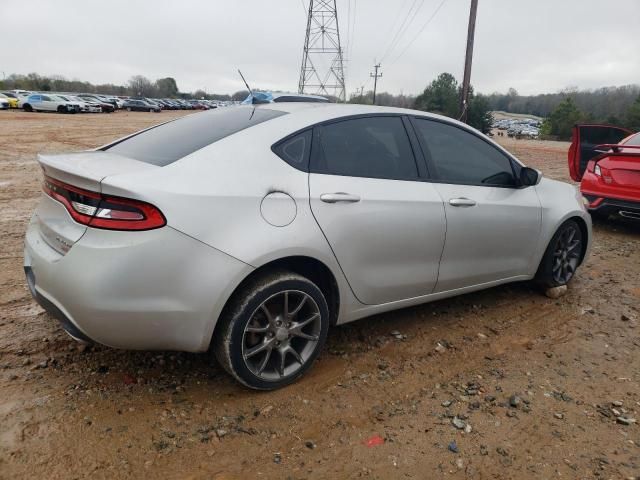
(375, 77)
(361, 92)
(322, 70)
(464, 99)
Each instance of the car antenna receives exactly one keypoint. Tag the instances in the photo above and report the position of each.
(254, 99)
(245, 83)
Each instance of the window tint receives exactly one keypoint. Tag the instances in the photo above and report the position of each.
(295, 150)
(376, 147)
(171, 141)
(461, 157)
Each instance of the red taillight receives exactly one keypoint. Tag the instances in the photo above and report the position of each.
(104, 211)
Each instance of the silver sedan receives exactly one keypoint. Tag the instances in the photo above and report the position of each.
(249, 230)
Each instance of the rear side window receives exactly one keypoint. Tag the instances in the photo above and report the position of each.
(460, 157)
(171, 141)
(375, 147)
(295, 150)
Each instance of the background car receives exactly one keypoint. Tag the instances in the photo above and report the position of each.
(49, 103)
(606, 161)
(4, 103)
(105, 106)
(85, 105)
(133, 105)
(278, 97)
(225, 230)
(11, 100)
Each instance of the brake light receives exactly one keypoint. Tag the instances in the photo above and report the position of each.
(104, 211)
(603, 173)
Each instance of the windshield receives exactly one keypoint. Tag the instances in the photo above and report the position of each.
(633, 140)
(171, 141)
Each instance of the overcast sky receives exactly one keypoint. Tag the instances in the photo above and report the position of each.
(532, 45)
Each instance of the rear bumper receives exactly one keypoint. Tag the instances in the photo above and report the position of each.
(151, 290)
(613, 206)
(54, 311)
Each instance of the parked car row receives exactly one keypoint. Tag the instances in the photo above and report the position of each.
(519, 128)
(63, 102)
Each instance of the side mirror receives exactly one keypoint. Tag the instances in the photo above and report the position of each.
(530, 176)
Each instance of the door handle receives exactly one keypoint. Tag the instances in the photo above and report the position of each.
(462, 202)
(339, 197)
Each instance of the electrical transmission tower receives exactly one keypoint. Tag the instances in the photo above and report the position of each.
(322, 70)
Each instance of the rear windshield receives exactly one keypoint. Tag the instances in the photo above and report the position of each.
(171, 141)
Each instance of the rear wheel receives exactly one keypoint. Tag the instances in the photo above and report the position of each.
(272, 331)
(562, 257)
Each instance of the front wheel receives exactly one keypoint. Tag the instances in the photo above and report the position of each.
(272, 331)
(562, 257)
(27, 108)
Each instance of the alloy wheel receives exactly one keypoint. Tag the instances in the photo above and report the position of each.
(281, 335)
(566, 255)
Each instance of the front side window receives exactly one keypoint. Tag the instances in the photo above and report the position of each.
(460, 157)
(375, 147)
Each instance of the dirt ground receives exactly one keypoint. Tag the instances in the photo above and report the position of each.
(535, 384)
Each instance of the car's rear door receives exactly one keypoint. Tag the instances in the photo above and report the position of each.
(48, 104)
(493, 224)
(585, 139)
(384, 223)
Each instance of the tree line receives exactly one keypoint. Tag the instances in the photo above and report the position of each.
(441, 96)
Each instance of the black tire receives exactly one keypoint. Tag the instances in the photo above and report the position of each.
(62, 109)
(231, 336)
(128, 109)
(151, 110)
(27, 108)
(562, 257)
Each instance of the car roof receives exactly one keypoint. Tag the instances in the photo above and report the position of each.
(336, 110)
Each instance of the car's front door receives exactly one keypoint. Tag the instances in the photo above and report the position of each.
(493, 224)
(384, 223)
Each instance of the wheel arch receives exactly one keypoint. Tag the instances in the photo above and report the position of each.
(313, 269)
(584, 230)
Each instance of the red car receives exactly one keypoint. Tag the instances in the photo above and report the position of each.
(606, 161)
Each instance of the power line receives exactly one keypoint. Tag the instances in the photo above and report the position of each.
(404, 27)
(433, 15)
(395, 21)
(353, 27)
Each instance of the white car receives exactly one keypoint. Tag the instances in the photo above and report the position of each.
(49, 103)
(85, 105)
(4, 104)
(249, 230)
